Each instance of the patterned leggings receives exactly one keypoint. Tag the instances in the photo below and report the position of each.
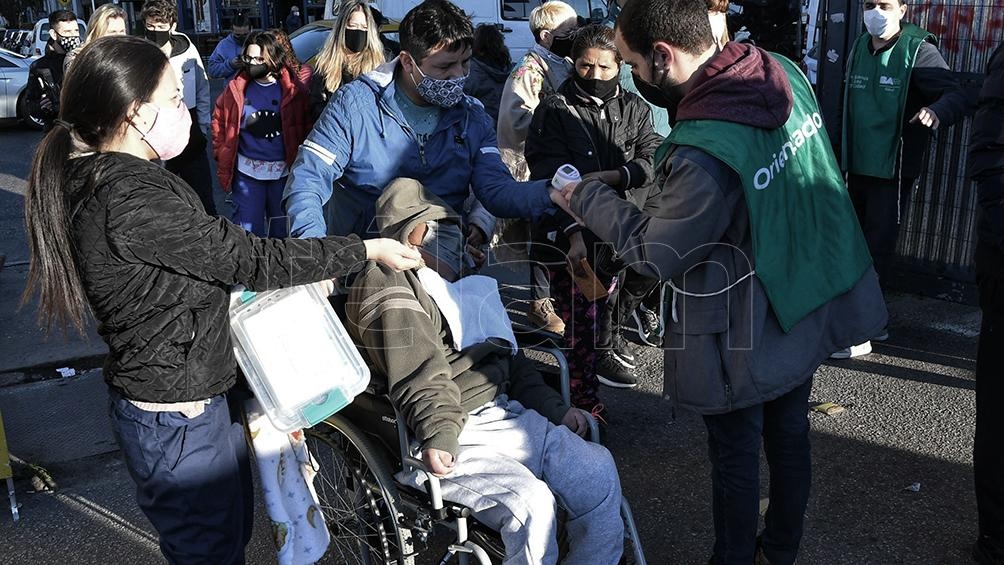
(582, 321)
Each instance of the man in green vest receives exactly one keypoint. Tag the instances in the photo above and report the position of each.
(750, 223)
(898, 91)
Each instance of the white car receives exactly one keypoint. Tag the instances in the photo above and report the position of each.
(512, 16)
(13, 81)
(811, 62)
(40, 35)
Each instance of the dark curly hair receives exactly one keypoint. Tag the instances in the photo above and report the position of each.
(159, 12)
(273, 49)
(289, 58)
(490, 47)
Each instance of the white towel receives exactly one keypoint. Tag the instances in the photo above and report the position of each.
(471, 307)
(287, 472)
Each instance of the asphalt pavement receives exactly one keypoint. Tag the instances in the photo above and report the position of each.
(908, 422)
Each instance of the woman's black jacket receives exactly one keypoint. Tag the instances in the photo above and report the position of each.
(157, 272)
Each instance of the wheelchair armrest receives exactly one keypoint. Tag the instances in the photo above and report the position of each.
(564, 384)
(594, 426)
(432, 486)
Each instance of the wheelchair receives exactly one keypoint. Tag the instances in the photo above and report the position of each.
(373, 519)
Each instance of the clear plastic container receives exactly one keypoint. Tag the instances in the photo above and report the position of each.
(299, 361)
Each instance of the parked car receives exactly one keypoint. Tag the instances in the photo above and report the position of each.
(13, 80)
(13, 39)
(308, 40)
(40, 35)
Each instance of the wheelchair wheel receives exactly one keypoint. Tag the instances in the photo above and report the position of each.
(358, 497)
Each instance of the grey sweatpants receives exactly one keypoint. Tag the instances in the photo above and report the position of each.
(515, 466)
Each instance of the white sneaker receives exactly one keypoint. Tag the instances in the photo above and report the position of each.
(853, 351)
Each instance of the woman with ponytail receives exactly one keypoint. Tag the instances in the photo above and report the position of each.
(112, 233)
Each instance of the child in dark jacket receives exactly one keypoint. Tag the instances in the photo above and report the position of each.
(259, 122)
(605, 132)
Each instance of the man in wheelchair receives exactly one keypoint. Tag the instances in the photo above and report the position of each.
(504, 443)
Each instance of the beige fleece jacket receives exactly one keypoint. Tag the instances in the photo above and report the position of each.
(538, 75)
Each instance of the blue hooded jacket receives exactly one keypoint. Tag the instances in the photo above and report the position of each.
(219, 61)
(362, 142)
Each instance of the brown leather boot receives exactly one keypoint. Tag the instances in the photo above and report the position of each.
(541, 315)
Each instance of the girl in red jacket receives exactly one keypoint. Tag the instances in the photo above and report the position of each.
(259, 122)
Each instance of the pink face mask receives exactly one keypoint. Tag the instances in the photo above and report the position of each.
(169, 134)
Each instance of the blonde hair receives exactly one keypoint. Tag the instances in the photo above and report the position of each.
(334, 57)
(549, 16)
(97, 25)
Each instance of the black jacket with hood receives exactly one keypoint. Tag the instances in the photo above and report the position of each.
(986, 155)
(406, 339)
(157, 271)
(723, 350)
(45, 82)
(485, 82)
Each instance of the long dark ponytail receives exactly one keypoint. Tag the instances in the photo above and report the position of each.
(109, 77)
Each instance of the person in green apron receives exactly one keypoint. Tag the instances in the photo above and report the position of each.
(749, 222)
(899, 90)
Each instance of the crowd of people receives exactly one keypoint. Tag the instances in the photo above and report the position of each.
(710, 217)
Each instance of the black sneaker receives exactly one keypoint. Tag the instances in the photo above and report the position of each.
(648, 326)
(611, 373)
(619, 347)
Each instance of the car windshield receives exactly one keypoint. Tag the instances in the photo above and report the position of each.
(308, 42)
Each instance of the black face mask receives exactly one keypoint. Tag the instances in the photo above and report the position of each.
(658, 95)
(561, 46)
(67, 43)
(257, 72)
(239, 39)
(598, 88)
(159, 38)
(355, 39)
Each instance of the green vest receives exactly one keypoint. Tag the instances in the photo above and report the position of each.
(807, 245)
(874, 102)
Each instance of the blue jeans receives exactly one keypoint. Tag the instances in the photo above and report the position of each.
(734, 439)
(193, 479)
(258, 205)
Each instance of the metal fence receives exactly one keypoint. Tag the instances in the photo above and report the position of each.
(938, 236)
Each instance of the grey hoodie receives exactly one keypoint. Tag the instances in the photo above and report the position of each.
(403, 335)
